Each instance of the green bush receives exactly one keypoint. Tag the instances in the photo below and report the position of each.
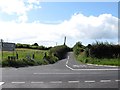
(78, 48)
(105, 50)
(98, 53)
(51, 59)
(18, 63)
(5, 63)
(59, 51)
(34, 46)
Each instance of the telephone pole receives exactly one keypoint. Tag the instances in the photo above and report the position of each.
(1, 46)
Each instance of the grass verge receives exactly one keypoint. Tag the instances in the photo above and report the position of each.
(103, 61)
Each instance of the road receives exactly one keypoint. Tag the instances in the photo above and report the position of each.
(67, 73)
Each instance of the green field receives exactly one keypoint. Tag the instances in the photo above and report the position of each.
(23, 53)
(31, 57)
(23, 56)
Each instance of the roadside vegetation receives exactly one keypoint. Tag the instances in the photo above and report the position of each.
(57, 53)
(33, 46)
(26, 56)
(23, 57)
(101, 53)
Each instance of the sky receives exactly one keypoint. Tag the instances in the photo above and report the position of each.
(47, 23)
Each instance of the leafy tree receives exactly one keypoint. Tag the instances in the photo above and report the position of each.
(78, 44)
(78, 47)
(35, 44)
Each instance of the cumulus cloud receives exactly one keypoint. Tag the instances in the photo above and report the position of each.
(78, 28)
(103, 26)
(19, 7)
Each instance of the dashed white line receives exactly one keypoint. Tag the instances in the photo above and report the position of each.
(111, 69)
(105, 80)
(68, 57)
(15, 69)
(107, 69)
(17, 82)
(1, 83)
(55, 73)
(81, 66)
(101, 65)
(37, 82)
(56, 82)
(89, 81)
(117, 80)
(67, 62)
(73, 81)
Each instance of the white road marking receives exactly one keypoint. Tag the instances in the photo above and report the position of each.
(90, 81)
(67, 62)
(73, 81)
(37, 82)
(1, 83)
(15, 69)
(68, 57)
(69, 67)
(105, 80)
(79, 65)
(117, 80)
(56, 73)
(101, 65)
(110, 69)
(18, 82)
(107, 69)
(56, 82)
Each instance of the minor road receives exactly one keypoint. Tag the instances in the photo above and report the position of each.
(67, 73)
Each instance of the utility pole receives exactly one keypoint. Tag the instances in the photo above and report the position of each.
(65, 40)
(1, 48)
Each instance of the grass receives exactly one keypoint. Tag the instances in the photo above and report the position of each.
(32, 57)
(23, 55)
(104, 61)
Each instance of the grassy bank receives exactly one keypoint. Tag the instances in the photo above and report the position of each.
(99, 53)
(104, 61)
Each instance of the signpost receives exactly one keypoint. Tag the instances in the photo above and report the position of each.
(1, 53)
(5, 46)
(8, 46)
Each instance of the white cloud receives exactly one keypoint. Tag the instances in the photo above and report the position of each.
(78, 28)
(19, 7)
(22, 18)
(34, 1)
(103, 26)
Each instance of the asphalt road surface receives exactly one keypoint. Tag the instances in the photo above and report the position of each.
(67, 73)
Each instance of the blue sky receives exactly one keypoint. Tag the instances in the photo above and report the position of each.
(60, 11)
(48, 22)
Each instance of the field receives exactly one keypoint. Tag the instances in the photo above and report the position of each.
(31, 57)
(25, 56)
(23, 53)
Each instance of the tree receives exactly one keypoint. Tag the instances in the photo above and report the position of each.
(35, 44)
(78, 48)
(78, 44)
